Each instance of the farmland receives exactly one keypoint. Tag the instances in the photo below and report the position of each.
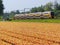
(29, 33)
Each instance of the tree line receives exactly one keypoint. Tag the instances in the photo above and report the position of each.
(50, 6)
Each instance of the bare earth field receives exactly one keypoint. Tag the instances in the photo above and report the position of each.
(25, 33)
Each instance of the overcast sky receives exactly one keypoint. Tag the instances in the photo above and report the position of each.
(11, 5)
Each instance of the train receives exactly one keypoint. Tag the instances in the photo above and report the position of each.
(37, 15)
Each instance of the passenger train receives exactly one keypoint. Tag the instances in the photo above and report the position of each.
(37, 15)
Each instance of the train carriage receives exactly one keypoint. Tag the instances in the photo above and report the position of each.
(48, 14)
(37, 15)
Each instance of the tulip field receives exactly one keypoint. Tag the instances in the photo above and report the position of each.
(29, 33)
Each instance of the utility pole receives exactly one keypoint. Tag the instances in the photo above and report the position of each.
(25, 10)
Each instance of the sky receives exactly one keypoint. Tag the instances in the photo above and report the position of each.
(12, 5)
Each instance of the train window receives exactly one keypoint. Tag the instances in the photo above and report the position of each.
(45, 13)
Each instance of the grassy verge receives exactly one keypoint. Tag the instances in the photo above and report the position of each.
(38, 20)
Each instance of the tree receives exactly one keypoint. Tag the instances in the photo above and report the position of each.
(37, 9)
(6, 15)
(12, 13)
(40, 9)
(1, 7)
(17, 12)
(49, 6)
(57, 9)
(34, 10)
(56, 6)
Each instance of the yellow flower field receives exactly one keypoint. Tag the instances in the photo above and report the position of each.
(29, 33)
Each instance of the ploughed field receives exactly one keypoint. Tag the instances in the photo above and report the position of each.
(29, 33)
